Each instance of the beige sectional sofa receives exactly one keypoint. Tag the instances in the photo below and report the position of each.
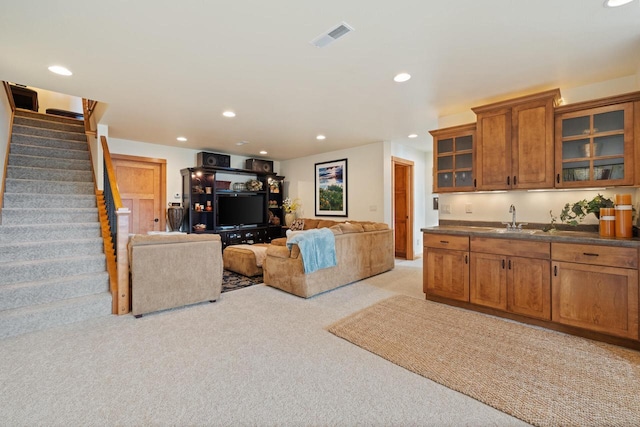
(172, 270)
(363, 249)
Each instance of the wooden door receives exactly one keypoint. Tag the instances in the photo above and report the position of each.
(532, 155)
(446, 274)
(141, 182)
(598, 298)
(488, 284)
(403, 207)
(493, 154)
(529, 287)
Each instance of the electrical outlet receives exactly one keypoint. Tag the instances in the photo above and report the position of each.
(468, 208)
(446, 208)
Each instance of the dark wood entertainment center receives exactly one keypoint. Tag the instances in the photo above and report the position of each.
(203, 188)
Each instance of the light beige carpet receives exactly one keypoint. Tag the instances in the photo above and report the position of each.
(542, 377)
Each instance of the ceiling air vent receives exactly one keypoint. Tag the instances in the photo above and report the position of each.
(332, 35)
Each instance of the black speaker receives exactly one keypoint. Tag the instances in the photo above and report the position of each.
(259, 165)
(213, 159)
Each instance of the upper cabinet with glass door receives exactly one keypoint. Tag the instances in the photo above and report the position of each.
(453, 158)
(594, 146)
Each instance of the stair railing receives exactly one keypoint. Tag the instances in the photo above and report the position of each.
(12, 104)
(118, 220)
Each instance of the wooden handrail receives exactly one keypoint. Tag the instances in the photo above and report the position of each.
(111, 173)
(88, 106)
(6, 157)
(7, 89)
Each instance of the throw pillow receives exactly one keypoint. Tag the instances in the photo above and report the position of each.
(297, 224)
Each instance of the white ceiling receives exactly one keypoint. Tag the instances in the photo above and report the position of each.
(170, 68)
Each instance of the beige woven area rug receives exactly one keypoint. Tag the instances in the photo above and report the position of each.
(542, 377)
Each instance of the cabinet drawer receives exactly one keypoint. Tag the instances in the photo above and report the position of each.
(596, 255)
(511, 247)
(446, 241)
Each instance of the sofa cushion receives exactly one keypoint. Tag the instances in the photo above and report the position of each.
(310, 223)
(326, 223)
(351, 228)
(374, 226)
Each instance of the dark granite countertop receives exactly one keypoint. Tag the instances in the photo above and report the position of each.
(580, 237)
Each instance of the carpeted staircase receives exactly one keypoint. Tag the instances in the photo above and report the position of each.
(52, 263)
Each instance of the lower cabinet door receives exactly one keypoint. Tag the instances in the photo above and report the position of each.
(446, 274)
(529, 287)
(488, 285)
(598, 298)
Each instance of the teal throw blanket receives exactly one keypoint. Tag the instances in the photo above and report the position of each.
(317, 247)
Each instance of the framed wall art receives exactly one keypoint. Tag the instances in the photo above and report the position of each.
(331, 188)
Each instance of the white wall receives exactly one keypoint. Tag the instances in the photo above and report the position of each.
(533, 206)
(424, 215)
(365, 181)
(48, 99)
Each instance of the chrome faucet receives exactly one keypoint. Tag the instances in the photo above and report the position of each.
(513, 226)
(512, 211)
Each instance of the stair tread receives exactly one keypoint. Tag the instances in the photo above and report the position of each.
(48, 181)
(101, 275)
(40, 147)
(51, 242)
(52, 260)
(57, 306)
(26, 135)
(48, 117)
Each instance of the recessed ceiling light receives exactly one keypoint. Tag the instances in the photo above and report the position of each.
(413, 135)
(242, 142)
(402, 77)
(616, 3)
(181, 139)
(263, 152)
(58, 69)
(229, 114)
(321, 137)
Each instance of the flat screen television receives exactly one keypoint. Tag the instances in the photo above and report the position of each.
(240, 209)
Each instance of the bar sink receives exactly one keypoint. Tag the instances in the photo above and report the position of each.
(513, 231)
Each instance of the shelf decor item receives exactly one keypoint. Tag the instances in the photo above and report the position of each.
(254, 185)
(331, 188)
(239, 186)
(290, 208)
(574, 213)
(175, 215)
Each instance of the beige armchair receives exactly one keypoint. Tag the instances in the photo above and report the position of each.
(173, 270)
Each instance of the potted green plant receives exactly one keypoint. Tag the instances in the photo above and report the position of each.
(574, 213)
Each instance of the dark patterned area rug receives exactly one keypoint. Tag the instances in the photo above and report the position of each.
(232, 281)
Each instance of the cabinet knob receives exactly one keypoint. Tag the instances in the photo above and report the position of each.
(558, 178)
(503, 264)
(514, 180)
(508, 180)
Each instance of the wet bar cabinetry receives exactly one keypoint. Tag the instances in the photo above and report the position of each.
(453, 158)
(532, 143)
(446, 266)
(511, 275)
(583, 288)
(596, 287)
(514, 148)
(595, 143)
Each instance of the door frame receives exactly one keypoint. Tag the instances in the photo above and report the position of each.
(163, 181)
(409, 197)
